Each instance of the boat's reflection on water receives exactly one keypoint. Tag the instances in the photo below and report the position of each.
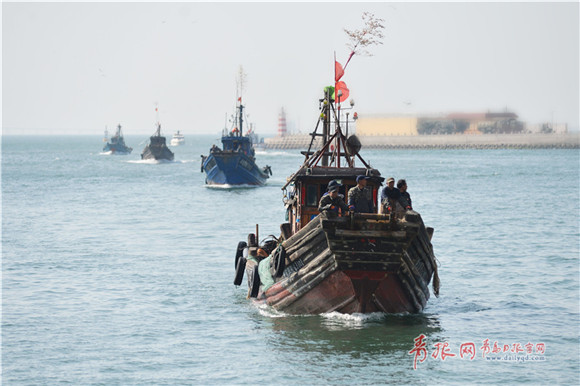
(354, 334)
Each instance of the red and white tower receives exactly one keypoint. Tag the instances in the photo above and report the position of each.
(282, 123)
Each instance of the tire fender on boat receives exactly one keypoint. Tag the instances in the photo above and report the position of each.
(240, 268)
(254, 281)
(239, 252)
(279, 261)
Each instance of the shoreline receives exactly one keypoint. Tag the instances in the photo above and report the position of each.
(483, 141)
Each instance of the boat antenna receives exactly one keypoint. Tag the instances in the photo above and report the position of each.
(240, 84)
(241, 117)
(225, 130)
(158, 131)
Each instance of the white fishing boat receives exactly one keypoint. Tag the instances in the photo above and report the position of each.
(178, 139)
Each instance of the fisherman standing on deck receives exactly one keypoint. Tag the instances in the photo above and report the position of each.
(405, 199)
(390, 196)
(360, 198)
(331, 201)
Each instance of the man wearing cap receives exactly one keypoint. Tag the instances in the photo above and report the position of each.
(389, 196)
(331, 201)
(360, 198)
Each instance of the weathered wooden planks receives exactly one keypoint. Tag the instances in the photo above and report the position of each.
(326, 248)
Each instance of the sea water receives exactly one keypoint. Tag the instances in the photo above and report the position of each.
(117, 271)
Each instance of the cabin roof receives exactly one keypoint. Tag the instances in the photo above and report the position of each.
(331, 173)
(232, 138)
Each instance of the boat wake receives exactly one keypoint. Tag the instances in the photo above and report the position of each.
(153, 161)
(330, 319)
(229, 187)
(106, 152)
(269, 312)
(351, 320)
(278, 153)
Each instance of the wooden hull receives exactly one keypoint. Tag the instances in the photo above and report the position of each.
(359, 264)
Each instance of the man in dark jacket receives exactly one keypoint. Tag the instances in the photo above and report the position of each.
(360, 198)
(331, 201)
(390, 196)
(405, 199)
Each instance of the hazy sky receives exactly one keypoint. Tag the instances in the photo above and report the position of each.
(78, 67)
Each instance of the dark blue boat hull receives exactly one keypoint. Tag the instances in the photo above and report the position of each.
(117, 149)
(232, 168)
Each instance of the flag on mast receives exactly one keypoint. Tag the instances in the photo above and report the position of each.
(341, 86)
(338, 71)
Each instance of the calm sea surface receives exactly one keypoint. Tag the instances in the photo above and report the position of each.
(120, 272)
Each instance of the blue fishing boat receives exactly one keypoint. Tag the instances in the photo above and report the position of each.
(116, 145)
(235, 162)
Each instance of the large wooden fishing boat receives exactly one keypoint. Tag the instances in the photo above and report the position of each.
(350, 263)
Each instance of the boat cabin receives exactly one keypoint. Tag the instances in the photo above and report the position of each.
(311, 184)
(234, 143)
(157, 141)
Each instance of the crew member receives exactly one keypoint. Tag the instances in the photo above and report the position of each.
(331, 201)
(390, 196)
(360, 197)
(405, 199)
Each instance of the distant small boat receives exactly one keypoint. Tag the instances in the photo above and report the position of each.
(116, 145)
(178, 139)
(157, 149)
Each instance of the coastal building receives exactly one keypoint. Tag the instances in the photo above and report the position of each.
(386, 125)
(454, 123)
(546, 127)
(479, 130)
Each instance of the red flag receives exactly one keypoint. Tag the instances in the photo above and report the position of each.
(338, 71)
(341, 86)
(239, 99)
